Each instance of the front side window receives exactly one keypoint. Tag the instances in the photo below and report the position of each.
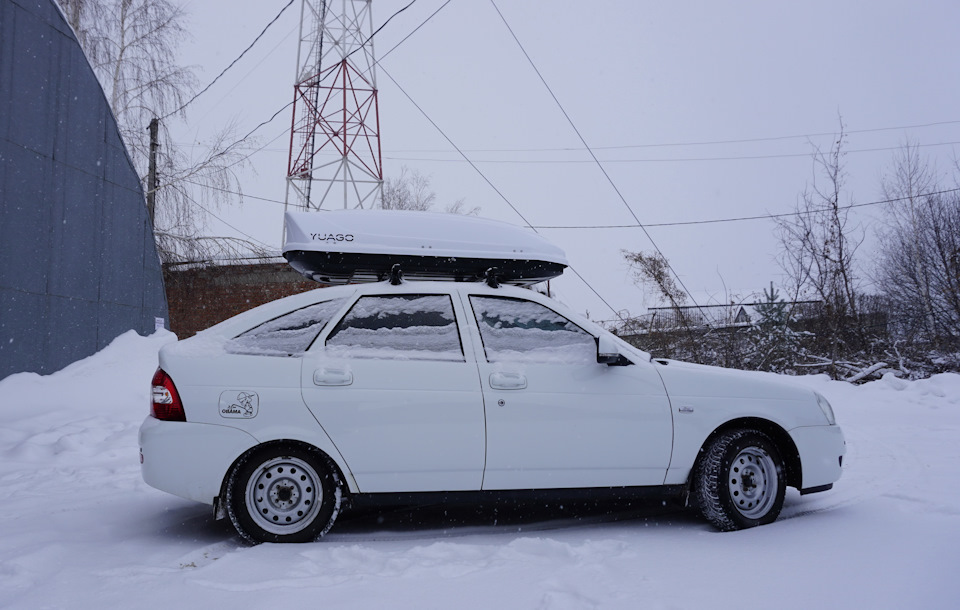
(407, 327)
(289, 334)
(518, 330)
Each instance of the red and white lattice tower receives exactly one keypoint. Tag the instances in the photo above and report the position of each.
(335, 139)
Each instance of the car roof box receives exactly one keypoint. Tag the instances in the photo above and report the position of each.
(342, 246)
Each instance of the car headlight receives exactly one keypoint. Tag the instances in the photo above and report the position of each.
(826, 408)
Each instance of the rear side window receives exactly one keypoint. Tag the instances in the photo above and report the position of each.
(518, 330)
(408, 326)
(288, 334)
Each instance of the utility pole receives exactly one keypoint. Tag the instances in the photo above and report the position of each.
(152, 172)
(335, 137)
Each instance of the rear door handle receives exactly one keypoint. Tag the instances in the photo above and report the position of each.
(507, 381)
(332, 377)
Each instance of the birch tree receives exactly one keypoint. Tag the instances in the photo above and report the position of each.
(131, 45)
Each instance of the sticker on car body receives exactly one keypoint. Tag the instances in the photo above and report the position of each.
(239, 404)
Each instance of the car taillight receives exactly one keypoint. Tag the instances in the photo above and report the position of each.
(166, 403)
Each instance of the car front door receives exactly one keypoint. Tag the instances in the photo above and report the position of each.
(399, 396)
(555, 417)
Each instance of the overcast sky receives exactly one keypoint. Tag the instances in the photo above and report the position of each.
(698, 111)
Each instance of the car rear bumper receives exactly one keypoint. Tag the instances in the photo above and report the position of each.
(189, 459)
(821, 451)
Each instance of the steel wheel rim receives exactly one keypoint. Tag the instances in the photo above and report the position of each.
(284, 495)
(752, 482)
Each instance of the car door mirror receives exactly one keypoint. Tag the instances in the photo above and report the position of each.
(608, 352)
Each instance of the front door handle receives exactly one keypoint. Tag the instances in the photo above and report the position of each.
(332, 377)
(507, 381)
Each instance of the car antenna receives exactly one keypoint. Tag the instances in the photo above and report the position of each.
(396, 275)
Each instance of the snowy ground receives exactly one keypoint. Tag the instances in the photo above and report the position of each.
(78, 527)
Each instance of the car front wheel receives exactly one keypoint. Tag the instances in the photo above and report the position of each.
(283, 493)
(739, 481)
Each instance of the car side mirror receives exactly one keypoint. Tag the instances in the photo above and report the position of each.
(608, 352)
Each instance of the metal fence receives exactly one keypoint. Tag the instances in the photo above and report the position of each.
(78, 264)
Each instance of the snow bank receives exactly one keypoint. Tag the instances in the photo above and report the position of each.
(82, 408)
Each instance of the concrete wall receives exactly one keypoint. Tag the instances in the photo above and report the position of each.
(78, 264)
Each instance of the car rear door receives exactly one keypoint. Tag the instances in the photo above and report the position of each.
(555, 417)
(394, 388)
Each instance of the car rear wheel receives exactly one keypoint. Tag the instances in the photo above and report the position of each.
(739, 481)
(283, 493)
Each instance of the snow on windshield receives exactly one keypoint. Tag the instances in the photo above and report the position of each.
(513, 330)
(289, 334)
(398, 327)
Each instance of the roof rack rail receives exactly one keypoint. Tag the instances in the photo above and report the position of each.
(396, 275)
(492, 277)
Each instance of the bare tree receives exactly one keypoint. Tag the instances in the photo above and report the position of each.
(131, 45)
(653, 270)
(919, 264)
(818, 249)
(680, 337)
(460, 207)
(411, 191)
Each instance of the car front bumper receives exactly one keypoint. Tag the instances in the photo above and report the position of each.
(821, 451)
(188, 459)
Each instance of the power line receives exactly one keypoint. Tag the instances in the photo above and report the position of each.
(695, 143)
(647, 224)
(257, 128)
(240, 81)
(655, 160)
(383, 25)
(652, 160)
(176, 179)
(742, 218)
(232, 63)
(229, 192)
(487, 180)
(277, 113)
(250, 237)
(465, 157)
(596, 160)
(253, 152)
(404, 39)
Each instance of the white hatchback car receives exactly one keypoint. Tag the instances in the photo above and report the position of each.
(282, 415)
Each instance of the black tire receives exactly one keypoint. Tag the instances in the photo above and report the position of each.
(283, 493)
(739, 480)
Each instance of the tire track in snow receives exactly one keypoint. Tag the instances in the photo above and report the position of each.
(872, 468)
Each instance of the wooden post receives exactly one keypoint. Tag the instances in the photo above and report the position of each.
(152, 173)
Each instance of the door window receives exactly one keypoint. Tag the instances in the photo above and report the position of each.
(289, 334)
(408, 327)
(514, 329)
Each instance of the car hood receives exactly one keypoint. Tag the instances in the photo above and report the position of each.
(697, 380)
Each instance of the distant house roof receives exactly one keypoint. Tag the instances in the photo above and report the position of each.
(717, 316)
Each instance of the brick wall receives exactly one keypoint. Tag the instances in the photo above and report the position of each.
(198, 298)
